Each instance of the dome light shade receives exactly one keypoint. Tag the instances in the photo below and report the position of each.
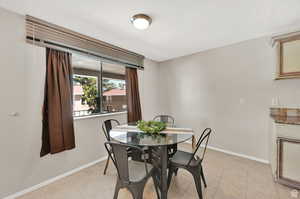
(141, 21)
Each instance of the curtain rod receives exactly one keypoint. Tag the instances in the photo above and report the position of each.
(69, 49)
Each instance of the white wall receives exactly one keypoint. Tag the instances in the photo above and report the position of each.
(229, 89)
(149, 86)
(22, 88)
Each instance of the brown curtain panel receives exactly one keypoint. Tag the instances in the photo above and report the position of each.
(58, 130)
(134, 112)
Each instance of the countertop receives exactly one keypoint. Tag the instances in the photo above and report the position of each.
(286, 115)
(286, 119)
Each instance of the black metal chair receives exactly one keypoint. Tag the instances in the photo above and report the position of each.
(167, 119)
(191, 162)
(106, 127)
(132, 175)
(170, 122)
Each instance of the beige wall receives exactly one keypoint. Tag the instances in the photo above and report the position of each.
(229, 89)
(22, 86)
(149, 90)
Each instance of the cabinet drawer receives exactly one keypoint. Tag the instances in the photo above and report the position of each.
(288, 131)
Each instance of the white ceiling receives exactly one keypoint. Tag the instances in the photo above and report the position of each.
(180, 27)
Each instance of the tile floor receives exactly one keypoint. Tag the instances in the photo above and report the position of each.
(228, 177)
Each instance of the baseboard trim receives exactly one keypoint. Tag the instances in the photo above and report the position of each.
(51, 180)
(239, 155)
(236, 154)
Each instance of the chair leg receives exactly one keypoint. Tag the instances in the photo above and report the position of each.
(117, 189)
(137, 191)
(156, 185)
(137, 195)
(170, 175)
(203, 177)
(197, 179)
(140, 194)
(134, 194)
(106, 165)
(176, 171)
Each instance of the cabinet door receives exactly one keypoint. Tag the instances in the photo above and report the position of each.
(288, 171)
(289, 59)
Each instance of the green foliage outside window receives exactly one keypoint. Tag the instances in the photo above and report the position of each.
(90, 92)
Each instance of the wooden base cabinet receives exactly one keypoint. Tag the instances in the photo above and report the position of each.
(288, 162)
(285, 154)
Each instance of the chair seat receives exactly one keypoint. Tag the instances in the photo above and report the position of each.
(183, 158)
(137, 170)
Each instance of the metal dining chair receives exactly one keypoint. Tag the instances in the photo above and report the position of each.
(106, 127)
(170, 122)
(132, 175)
(191, 162)
(167, 119)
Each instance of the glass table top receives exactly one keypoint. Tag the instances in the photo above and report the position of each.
(132, 135)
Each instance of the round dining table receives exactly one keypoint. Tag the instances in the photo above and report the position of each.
(170, 136)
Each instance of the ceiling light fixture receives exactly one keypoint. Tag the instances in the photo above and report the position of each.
(141, 21)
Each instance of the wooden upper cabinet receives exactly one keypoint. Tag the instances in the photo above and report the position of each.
(289, 57)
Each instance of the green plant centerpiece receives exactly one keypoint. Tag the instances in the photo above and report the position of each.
(151, 127)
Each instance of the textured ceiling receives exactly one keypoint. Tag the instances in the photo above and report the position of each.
(179, 27)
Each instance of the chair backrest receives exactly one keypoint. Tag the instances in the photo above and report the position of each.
(120, 158)
(107, 126)
(204, 138)
(167, 119)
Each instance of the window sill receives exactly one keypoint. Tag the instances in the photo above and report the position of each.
(99, 115)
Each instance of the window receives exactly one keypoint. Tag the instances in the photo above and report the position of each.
(98, 87)
(86, 95)
(113, 88)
